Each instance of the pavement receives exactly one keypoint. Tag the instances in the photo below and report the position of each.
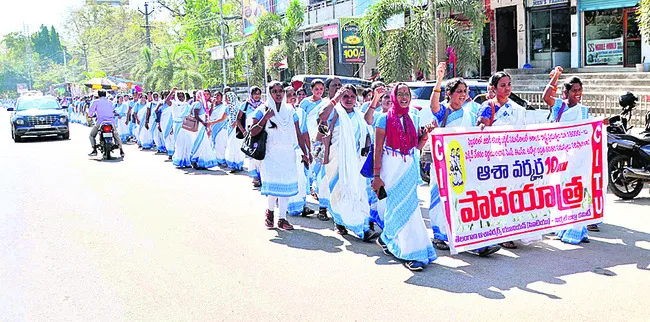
(136, 239)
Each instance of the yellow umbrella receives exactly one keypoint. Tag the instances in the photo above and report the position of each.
(101, 83)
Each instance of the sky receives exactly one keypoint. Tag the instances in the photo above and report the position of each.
(35, 13)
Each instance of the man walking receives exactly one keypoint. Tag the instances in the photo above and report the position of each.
(102, 109)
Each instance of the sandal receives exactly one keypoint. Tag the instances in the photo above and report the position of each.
(509, 245)
(593, 228)
(485, 251)
(341, 230)
(439, 244)
(322, 215)
(369, 235)
(307, 211)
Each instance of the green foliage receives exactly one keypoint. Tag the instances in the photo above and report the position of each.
(643, 17)
(271, 27)
(412, 47)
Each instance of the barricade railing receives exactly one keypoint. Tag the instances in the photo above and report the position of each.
(600, 104)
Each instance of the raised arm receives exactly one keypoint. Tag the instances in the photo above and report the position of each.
(434, 101)
(376, 98)
(551, 89)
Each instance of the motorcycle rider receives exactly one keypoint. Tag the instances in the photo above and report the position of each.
(102, 109)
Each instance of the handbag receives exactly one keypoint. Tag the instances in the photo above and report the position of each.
(190, 123)
(241, 120)
(324, 136)
(367, 170)
(255, 146)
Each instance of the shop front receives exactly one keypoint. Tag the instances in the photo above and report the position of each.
(611, 35)
(549, 25)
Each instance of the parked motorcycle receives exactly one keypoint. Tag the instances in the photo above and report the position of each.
(628, 156)
(106, 141)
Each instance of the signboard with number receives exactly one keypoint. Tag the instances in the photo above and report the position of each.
(351, 47)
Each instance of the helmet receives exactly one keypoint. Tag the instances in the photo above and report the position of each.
(628, 99)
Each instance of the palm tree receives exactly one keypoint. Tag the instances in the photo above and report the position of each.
(412, 47)
(270, 27)
(142, 68)
(178, 67)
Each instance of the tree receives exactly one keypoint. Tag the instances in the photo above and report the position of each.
(176, 67)
(403, 50)
(271, 27)
(643, 17)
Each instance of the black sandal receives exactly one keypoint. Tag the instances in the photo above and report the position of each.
(341, 230)
(307, 211)
(593, 228)
(439, 244)
(322, 215)
(509, 245)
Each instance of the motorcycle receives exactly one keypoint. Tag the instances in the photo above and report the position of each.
(106, 141)
(628, 156)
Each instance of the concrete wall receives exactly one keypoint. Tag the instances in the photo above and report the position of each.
(521, 26)
(575, 43)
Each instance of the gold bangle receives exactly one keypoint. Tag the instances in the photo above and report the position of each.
(437, 90)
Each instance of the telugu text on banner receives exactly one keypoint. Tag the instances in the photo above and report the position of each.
(509, 183)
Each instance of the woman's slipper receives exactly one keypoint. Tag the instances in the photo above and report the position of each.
(440, 244)
(509, 245)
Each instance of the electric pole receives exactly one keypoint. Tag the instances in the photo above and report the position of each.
(84, 47)
(223, 43)
(146, 14)
(28, 51)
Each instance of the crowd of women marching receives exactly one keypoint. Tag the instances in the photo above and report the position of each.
(359, 158)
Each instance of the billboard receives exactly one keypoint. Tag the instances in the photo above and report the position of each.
(351, 47)
(252, 10)
(21, 88)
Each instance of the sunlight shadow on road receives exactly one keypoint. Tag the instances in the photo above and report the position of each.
(307, 240)
(542, 262)
(636, 201)
(194, 172)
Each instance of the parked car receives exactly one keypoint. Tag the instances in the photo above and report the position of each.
(305, 81)
(38, 116)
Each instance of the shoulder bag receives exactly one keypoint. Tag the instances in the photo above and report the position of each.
(241, 120)
(190, 123)
(255, 146)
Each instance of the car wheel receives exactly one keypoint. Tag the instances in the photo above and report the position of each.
(15, 137)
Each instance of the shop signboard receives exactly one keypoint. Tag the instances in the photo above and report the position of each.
(252, 10)
(539, 3)
(605, 51)
(351, 47)
(330, 31)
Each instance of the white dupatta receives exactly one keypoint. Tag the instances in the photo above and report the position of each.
(348, 158)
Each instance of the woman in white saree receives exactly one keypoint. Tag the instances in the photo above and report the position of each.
(396, 173)
(348, 196)
(451, 113)
(569, 109)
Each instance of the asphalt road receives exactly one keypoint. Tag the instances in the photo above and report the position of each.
(137, 239)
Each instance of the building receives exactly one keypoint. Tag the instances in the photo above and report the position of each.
(569, 33)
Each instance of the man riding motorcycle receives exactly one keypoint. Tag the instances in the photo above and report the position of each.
(102, 109)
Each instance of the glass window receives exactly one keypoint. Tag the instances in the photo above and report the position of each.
(561, 29)
(604, 37)
(40, 103)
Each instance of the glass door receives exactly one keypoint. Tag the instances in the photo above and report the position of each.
(632, 39)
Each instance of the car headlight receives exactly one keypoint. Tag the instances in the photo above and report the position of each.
(20, 122)
(63, 119)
